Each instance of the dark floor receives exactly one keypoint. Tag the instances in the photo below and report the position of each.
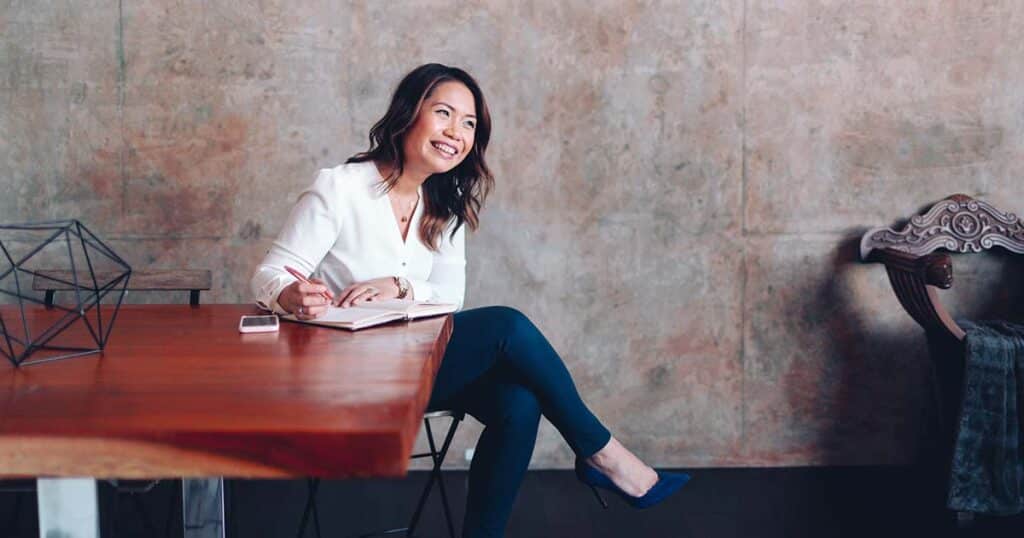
(790, 502)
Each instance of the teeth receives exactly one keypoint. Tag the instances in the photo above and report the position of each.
(445, 148)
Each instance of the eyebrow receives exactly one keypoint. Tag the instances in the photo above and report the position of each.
(453, 108)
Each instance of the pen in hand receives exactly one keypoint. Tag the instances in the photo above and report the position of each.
(325, 294)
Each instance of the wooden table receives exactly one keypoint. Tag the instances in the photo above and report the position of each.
(178, 392)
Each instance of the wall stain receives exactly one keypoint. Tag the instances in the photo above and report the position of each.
(79, 91)
(880, 142)
(183, 176)
(251, 230)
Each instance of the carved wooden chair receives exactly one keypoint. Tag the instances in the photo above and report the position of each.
(958, 224)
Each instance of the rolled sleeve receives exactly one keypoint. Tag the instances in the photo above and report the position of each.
(309, 232)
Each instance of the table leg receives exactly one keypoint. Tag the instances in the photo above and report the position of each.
(68, 508)
(203, 507)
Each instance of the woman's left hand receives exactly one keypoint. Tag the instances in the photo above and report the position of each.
(377, 289)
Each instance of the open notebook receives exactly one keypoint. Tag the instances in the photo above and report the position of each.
(375, 313)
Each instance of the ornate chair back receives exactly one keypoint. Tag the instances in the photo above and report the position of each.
(916, 271)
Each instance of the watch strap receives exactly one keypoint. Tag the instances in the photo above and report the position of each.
(403, 286)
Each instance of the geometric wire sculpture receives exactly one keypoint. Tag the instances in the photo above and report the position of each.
(54, 260)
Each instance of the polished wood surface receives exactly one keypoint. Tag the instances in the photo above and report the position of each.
(915, 281)
(179, 392)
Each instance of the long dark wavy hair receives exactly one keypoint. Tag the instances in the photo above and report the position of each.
(456, 194)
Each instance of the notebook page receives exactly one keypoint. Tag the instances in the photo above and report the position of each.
(349, 315)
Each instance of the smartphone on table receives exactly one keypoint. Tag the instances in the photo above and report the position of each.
(259, 324)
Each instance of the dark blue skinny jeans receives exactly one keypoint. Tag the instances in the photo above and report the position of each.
(501, 370)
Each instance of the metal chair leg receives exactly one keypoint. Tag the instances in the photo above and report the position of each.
(316, 519)
(435, 474)
(440, 481)
(312, 485)
(437, 459)
(429, 485)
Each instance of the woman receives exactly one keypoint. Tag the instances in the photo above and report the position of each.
(390, 223)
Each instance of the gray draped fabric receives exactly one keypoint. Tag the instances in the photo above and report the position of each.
(987, 473)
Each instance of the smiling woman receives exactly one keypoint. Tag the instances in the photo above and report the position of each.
(350, 229)
(434, 112)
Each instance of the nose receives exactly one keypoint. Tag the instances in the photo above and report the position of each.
(450, 131)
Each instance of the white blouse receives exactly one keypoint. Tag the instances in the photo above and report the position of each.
(343, 231)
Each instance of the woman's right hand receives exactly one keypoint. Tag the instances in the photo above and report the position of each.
(305, 299)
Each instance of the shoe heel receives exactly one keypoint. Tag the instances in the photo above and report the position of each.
(600, 499)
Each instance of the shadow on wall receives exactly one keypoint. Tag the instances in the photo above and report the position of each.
(881, 379)
(880, 375)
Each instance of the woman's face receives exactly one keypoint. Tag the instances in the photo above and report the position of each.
(443, 133)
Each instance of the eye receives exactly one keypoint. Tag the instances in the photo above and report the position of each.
(470, 124)
(443, 111)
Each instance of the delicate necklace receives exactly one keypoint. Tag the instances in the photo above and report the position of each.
(412, 209)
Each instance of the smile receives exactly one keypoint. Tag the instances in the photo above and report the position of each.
(445, 149)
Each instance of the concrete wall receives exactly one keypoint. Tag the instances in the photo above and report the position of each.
(679, 182)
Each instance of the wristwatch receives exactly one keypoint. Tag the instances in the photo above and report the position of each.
(403, 286)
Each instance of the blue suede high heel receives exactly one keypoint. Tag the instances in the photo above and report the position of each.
(668, 483)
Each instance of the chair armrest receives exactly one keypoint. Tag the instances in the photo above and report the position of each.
(936, 268)
(916, 280)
